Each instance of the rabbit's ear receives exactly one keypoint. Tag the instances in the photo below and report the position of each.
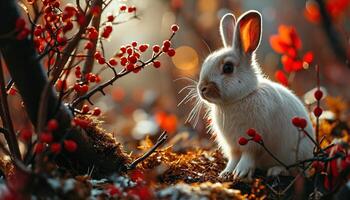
(248, 32)
(227, 24)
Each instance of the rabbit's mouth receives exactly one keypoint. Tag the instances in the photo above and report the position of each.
(209, 91)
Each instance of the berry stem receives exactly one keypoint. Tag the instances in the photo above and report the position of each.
(162, 138)
(312, 140)
(318, 105)
(272, 155)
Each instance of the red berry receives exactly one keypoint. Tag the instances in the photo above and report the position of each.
(296, 121)
(96, 111)
(134, 44)
(137, 55)
(89, 45)
(303, 123)
(84, 88)
(39, 147)
(113, 62)
(166, 43)
(132, 59)
(77, 74)
(55, 148)
(97, 55)
(38, 31)
(101, 61)
(257, 138)
(82, 123)
(61, 85)
(68, 26)
(242, 141)
(130, 67)
(26, 134)
(85, 109)
(136, 70)
(98, 78)
(174, 28)
(123, 61)
(70, 10)
(165, 49)
(70, 145)
(92, 78)
(46, 137)
(143, 47)
(106, 34)
(110, 18)
(251, 132)
(108, 28)
(123, 49)
(62, 41)
(318, 95)
(52, 125)
(171, 52)
(122, 7)
(93, 34)
(156, 64)
(155, 48)
(318, 111)
(131, 9)
(129, 51)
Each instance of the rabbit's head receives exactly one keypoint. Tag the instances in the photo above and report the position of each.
(230, 74)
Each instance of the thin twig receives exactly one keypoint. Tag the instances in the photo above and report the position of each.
(11, 138)
(162, 138)
(272, 155)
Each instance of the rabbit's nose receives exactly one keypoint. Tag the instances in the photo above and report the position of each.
(209, 90)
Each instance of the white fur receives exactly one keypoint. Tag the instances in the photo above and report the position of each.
(250, 100)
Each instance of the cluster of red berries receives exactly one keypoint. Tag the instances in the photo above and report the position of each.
(46, 140)
(288, 43)
(318, 96)
(130, 54)
(82, 123)
(299, 122)
(125, 8)
(107, 30)
(99, 57)
(254, 136)
(81, 88)
(86, 110)
(90, 77)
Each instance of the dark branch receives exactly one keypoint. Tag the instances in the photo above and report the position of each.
(162, 138)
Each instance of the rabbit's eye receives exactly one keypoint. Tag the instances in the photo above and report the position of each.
(227, 68)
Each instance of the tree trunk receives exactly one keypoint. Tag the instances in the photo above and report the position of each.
(96, 149)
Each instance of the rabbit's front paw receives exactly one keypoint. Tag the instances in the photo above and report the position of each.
(227, 172)
(245, 168)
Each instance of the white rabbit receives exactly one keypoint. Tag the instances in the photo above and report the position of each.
(239, 97)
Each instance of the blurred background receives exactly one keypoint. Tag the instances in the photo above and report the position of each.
(142, 104)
